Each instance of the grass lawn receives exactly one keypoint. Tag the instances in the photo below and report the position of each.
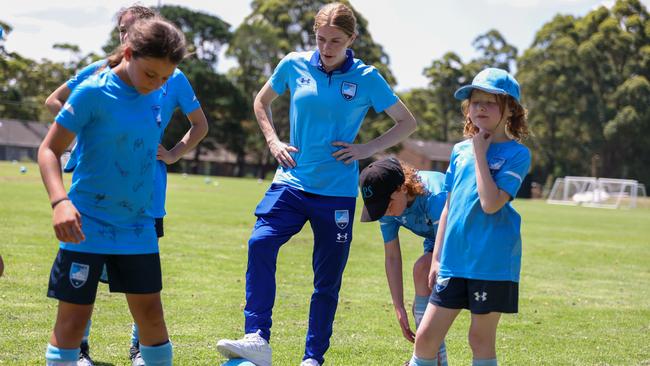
(584, 293)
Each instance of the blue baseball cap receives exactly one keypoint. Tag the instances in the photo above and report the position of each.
(493, 81)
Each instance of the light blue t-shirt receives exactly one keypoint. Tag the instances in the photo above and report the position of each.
(117, 130)
(478, 245)
(177, 92)
(326, 107)
(86, 72)
(423, 215)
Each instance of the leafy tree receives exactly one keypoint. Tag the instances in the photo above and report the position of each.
(585, 84)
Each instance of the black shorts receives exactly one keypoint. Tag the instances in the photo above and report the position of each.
(74, 275)
(478, 296)
(160, 231)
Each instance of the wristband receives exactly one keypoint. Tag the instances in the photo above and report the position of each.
(59, 201)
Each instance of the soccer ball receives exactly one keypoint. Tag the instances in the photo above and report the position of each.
(23, 169)
(238, 362)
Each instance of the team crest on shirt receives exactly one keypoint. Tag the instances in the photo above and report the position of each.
(79, 274)
(342, 218)
(348, 90)
(156, 115)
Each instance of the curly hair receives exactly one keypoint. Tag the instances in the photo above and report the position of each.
(516, 125)
(412, 182)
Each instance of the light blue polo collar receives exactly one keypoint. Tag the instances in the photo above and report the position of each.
(345, 67)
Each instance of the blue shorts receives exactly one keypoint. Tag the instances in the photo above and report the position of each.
(74, 275)
(478, 296)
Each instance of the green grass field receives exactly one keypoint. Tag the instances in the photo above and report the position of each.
(584, 294)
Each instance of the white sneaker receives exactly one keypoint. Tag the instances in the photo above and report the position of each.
(309, 362)
(252, 347)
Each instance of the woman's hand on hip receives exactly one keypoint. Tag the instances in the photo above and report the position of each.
(282, 153)
(351, 152)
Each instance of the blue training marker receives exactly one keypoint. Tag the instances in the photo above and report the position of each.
(238, 362)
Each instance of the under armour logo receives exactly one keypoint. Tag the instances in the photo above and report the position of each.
(341, 237)
(403, 220)
(480, 297)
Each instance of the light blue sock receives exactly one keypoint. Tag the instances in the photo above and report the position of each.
(55, 356)
(419, 306)
(135, 337)
(442, 354)
(86, 332)
(157, 355)
(484, 362)
(415, 361)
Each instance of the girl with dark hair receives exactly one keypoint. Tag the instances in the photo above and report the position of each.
(105, 217)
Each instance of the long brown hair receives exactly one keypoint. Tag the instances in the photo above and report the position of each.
(139, 12)
(337, 15)
(516, 125)
(155, 38)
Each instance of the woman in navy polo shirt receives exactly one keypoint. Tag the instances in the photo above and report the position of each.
(317, 179)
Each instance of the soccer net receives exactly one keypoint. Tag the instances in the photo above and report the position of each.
(596, 192)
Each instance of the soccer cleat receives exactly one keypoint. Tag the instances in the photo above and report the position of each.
(309, 362)
(84, 356)
(135, 356)
(252, 347)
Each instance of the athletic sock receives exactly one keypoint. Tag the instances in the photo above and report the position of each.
(160, 355)
(442, 354)
(135, 338)
(55, 356)
(86, 332)
(415, 361)
(484, 362)
(419, 306)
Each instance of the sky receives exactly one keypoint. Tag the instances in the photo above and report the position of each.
(412, 32)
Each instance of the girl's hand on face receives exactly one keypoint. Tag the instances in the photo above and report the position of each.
(282, 153)
(433, 273)
(67, 223)
(351, 152)
(481, 142)
(165, 155)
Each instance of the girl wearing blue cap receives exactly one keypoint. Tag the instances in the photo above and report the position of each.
(331, 92)
(398, 195)
(476, 260)
(105, 217)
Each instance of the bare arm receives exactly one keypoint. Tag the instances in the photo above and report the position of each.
(440, 239)
(491, 197)
(393, 264)
(57, 99)
(192, 137)
(262, 108)
(405, 124)
(65, 217)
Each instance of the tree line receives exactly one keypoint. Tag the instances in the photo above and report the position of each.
(585, 83)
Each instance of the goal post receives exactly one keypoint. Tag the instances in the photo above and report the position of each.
(596, 192)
